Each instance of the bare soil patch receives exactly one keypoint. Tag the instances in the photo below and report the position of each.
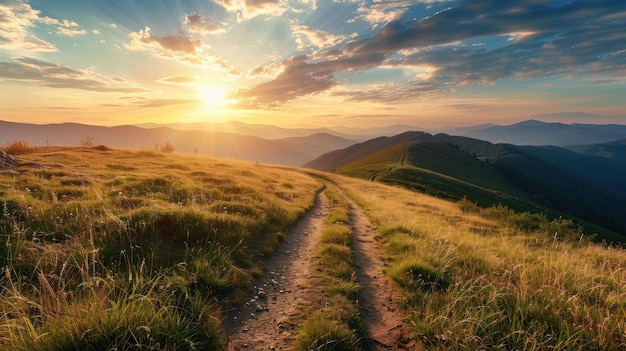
(378, 302)
(263, 322)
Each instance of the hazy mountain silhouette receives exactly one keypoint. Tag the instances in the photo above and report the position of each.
(614, 150)
(316, 144)
(534, 132)
(264, 131)
(219, 144)
(273, 132)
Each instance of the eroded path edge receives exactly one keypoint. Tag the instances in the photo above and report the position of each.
(378, 297)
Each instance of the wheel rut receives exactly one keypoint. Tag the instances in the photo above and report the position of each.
(263, 322)
(378, 302)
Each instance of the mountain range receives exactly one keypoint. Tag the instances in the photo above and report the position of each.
(583, 179)
(530, 132)
(533, 132)
(292, 151)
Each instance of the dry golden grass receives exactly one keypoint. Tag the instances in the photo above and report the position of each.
(105, 249)
(507, 288)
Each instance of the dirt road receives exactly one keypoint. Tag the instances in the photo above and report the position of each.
(263, 322)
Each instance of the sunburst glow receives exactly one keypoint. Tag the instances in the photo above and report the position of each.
(213, 96)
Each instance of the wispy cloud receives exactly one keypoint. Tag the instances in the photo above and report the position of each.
(307, 37)
(535, 40)
(383, 12)
(297, 78)
(156, 103)
(178, 79)
(199, 24)
(64, 27)
(16, 20)
(144, 39)
(564, 114)
(52, 75)
(178, 48)
(392, 92)
(248, 9)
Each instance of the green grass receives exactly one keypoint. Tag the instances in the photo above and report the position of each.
(438, 169)
(444, 171)
(112, 249)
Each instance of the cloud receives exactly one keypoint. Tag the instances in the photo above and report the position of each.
(575, 114)
(298, 78)
(178, 48)
(307, 37)
(16, 20)
(516, 40)
(52, 75)
(199, 24)
(176, 43)
(248, 9)
(178, 79)
(155, 103)
(383, 12)
(392, 92)
(64, 27)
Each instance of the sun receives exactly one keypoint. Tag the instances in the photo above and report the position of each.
(213, 96)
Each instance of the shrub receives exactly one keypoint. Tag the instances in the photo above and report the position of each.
(414, 274)
(17, 147)
(467, 206)
(168, 148)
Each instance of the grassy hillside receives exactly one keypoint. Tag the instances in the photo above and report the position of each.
(545, 179)
(139, 250)
(475, 279)
(615, 150)
(338, 158)
(441, 170)
(109, 248)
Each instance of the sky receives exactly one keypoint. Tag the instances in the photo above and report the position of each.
(428, 63)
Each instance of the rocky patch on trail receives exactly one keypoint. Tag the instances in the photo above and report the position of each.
(7, 161)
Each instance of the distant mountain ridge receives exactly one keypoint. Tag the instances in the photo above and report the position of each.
(529, 132)
(272, 132)
(291, 152)
(334, 159)
(533, 132)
